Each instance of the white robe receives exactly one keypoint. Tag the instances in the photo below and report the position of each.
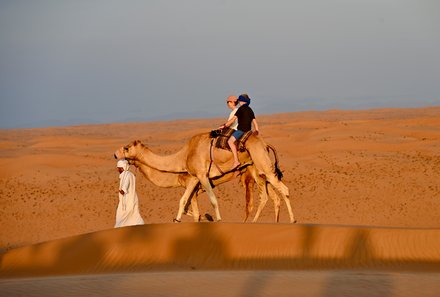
(127, 213)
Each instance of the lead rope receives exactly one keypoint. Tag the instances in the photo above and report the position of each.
(210, 157)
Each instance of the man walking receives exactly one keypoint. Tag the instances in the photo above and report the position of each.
(127, 213)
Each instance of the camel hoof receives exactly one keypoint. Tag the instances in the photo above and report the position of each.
(209, 217)
(176, 221)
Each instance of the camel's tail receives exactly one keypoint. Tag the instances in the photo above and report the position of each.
(278, 171)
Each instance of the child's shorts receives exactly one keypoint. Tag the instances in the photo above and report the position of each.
(237, 134)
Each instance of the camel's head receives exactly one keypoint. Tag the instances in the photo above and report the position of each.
(119, 154)
(130, 151)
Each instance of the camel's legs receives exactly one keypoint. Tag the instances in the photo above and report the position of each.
(284, 192)
(194, 212)
(208, 189)
(248, 184)
(266, 191)
(190, 189)
(276, 201)
(195, 207)
(262, 192)
(263, 164)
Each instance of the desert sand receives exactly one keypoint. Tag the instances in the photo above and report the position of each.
(363, 186)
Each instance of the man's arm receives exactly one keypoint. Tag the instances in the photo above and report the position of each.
(125, 183)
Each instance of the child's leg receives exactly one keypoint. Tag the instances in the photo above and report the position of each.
(233, 147)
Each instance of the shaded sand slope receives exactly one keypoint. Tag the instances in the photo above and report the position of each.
(369, 167)
(205, 246)
(244, 283)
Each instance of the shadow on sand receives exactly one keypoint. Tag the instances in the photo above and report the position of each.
(346, 251)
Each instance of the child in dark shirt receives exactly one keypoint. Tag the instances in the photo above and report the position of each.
(246, 117)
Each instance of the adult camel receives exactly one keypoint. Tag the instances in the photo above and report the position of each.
(175, 180)
(195, 158)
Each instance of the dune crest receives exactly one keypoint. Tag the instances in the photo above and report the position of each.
(207, 246)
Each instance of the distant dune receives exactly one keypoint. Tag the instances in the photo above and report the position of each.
(371, 168)
(374, 169)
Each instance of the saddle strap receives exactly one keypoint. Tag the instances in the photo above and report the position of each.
(211, 154)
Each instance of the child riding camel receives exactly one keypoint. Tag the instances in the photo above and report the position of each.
(246, 118)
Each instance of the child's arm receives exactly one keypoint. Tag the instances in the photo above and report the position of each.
(254, 121)
(228, 123)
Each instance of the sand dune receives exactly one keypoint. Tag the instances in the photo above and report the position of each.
(221, 259)
(222, 246)
(375, 169)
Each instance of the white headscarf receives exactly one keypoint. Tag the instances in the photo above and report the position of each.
(123, 164)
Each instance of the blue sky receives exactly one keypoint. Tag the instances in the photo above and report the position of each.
(76, 62)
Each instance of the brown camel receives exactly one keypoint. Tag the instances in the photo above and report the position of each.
(195, 158)
(175, 180)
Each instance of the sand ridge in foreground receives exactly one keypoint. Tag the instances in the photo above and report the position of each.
(223, 246)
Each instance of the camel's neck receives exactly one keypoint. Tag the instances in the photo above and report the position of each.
(175, 163)
(159, 178)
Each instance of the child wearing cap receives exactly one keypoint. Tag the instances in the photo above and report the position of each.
(246, 118)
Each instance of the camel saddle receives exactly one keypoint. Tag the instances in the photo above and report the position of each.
(222, 136)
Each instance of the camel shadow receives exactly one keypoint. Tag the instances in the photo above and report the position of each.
(199, 247)
(343, 278)
(256, 285)
(81, 254)
(360, 284)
